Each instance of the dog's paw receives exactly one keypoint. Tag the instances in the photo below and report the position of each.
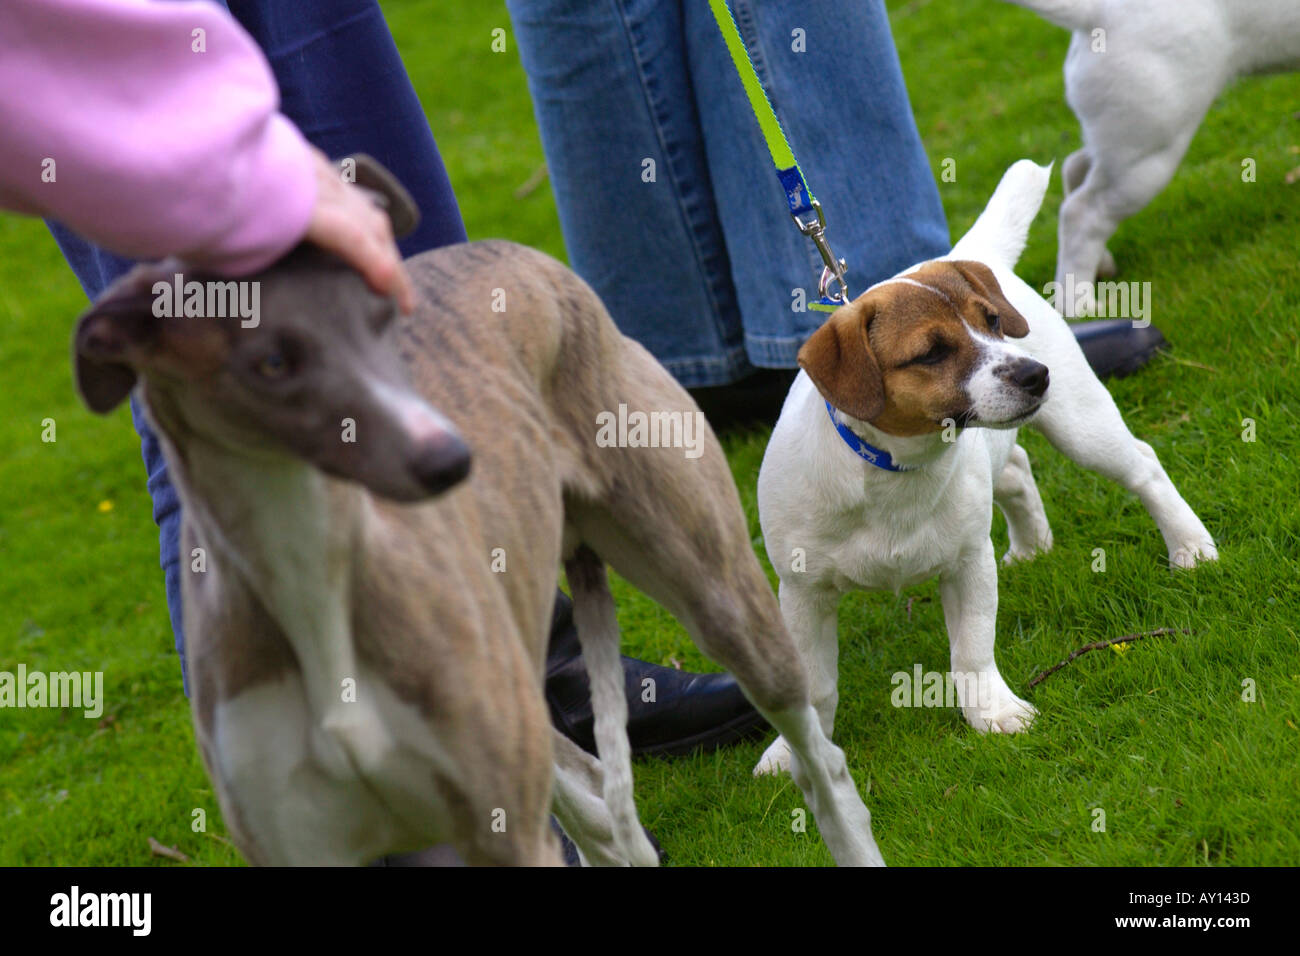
(1020, 550)
(1192, 554)
(775, 759)
(1007, 714)
(642, 852)
(1015, 555)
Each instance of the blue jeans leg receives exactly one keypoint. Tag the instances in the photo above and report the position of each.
(342, 81)
(700, 263)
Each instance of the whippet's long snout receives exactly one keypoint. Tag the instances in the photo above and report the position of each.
(435, 455)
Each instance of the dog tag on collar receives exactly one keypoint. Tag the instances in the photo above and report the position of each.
(868, 453)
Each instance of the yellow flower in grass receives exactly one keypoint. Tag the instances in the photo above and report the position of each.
(105, 506)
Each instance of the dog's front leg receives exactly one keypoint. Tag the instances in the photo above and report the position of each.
(1107, 447)
(970, 607)
(810, 617)
(1017, 495)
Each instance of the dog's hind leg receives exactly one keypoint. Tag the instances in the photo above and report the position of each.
(701, 567)
(597, 623)
(1073, 172)
(578, 802)
(1075, 169)
(1081, 420)
(1017, 495)
(1085, 226)
(733, 616)
(668, 518)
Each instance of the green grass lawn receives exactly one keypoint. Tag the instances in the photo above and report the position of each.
(1157, 735)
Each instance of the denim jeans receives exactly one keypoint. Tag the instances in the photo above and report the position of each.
(342, 82)
(696, 255)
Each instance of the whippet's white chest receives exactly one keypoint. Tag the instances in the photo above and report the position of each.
(324, 764)
(298, 796)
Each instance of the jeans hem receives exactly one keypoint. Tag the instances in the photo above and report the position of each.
(774, 351)
(708, 372)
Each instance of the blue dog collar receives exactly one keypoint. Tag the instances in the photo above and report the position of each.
(868, 453)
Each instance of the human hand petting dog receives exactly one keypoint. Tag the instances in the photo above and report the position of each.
(135, 192)
(348, 223)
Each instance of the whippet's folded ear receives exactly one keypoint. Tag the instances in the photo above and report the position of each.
(389, 193)
(116, 327)
(839, 360)
(980, 278)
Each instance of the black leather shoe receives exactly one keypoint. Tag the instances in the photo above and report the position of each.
(1115, 348)
(690, 711)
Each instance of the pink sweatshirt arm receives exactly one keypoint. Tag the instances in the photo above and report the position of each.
(115, 123)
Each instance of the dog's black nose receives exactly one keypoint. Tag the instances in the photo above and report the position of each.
(1031, 376)
(442, 463)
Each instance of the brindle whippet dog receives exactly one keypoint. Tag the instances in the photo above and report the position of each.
(367, 640)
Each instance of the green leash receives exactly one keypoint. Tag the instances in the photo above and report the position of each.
(797, 193)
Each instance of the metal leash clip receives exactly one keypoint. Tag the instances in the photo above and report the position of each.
(834, 269)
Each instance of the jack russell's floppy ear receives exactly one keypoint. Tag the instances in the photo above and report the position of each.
(112, 331)
(388, 192)
(980, 278)
(839, 360)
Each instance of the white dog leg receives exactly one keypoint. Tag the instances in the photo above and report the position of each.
(1073, 172)
(810, 617)
(1084, 229)
(578, 802)
(1086, 427)
(597, 623)
(1017, 495)
(822, 773)
(970, 608)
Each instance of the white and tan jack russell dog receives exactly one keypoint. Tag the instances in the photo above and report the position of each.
(899, 435)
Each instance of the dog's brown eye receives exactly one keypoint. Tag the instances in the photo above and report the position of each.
(995, 321)
(938, 352)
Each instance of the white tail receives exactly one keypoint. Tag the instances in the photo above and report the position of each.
(999, 234)
(1071, 14)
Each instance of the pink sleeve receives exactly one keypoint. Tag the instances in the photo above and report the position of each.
(151, 128)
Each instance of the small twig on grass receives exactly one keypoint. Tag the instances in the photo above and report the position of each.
(1263, 302)
(532, 182)
(1162, 632)
(1190, 364)
(157, 849)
